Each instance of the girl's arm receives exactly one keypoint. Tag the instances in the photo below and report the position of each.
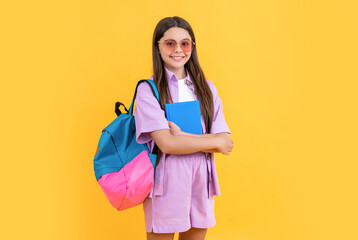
(197, 135)
(179, 144)
(207, 135)
(174, 141)
(175, 130)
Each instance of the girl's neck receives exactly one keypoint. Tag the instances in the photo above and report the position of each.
(179, 73)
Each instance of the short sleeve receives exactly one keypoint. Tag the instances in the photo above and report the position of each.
(219, 124)
(148, 114)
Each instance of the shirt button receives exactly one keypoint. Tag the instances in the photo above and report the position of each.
(188, 82)
(208, 157)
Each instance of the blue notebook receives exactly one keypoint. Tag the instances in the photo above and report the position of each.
(185, 115)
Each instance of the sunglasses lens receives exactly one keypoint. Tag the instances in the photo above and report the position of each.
(185, 45)
(169, 45)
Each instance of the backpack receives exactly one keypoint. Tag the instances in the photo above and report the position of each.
(123, 168)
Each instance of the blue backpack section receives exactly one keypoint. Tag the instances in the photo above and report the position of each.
(118, 145)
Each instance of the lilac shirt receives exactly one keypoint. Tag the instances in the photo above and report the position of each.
(150, 117)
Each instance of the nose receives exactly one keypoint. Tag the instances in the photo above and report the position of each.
(177, 48)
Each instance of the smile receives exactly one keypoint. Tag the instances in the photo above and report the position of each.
(177, 59)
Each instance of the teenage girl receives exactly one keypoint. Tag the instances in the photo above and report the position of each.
(182, 198)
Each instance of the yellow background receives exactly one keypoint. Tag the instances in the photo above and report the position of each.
(286, 72)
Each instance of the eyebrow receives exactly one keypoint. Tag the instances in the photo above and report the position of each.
(174, 39)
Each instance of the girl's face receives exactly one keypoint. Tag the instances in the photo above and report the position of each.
(170, 62)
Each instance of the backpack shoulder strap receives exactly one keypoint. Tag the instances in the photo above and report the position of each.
(152, 85)
(154, 88)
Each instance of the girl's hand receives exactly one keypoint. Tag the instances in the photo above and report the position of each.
(174, 129)
(225, 143)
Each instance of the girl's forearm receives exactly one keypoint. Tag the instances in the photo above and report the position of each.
(211, 151)
(185, 144)
(202, 136)
(198, 135)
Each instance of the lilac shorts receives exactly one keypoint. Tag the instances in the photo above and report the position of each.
(185, 201)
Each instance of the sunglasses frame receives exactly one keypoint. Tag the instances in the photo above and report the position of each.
(192, 47)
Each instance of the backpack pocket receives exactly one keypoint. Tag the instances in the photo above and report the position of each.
(131, 185)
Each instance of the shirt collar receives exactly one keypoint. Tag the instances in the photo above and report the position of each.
(171, 76)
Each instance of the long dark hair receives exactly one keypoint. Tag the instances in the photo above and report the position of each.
(201, 86)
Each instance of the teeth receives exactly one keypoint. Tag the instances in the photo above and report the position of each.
(177, 57)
